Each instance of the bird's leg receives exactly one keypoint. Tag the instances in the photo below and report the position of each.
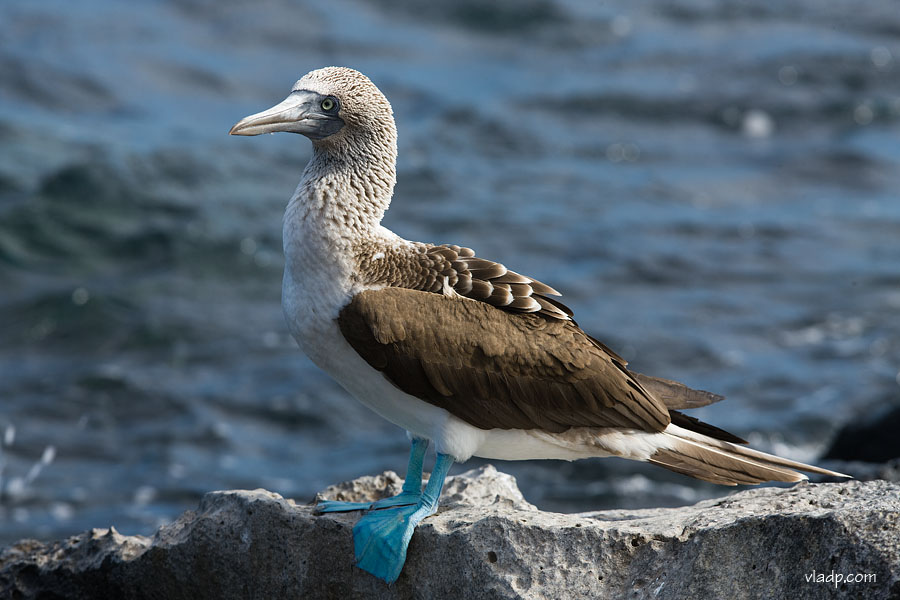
(380, 537)
(412, 486)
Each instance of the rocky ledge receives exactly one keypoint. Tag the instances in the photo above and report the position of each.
(488, 542)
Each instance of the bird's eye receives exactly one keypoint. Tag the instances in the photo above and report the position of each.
(327, 104)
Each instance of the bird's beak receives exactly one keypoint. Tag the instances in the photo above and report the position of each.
(285, 116)
(300, 113)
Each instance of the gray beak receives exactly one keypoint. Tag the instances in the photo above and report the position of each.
(300, 113)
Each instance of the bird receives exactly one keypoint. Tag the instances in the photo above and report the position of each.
(463, 353)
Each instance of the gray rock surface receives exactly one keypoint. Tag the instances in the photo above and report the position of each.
(488, 542)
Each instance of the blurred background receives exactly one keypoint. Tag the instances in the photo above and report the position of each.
(712, 184)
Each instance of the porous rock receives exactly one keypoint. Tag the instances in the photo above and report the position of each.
(488, 542)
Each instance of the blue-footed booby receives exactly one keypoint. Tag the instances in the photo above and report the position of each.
(463, 353)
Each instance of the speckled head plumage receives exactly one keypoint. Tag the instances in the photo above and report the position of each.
(351, 125)
(361, 103)
(334, 107)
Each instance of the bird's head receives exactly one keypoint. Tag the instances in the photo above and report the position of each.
(326, 105)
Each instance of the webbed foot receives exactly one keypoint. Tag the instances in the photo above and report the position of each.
(327, 506)
(412, 486)
(381, 537)
(401, 499)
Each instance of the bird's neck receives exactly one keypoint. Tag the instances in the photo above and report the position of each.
(347, 187)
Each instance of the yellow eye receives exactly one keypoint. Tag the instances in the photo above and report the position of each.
(327, 104)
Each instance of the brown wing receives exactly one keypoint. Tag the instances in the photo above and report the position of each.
(491, 282)
(496, 369)
(676, 395)
(483, 280)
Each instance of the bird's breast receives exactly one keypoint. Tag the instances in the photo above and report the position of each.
(317, 283)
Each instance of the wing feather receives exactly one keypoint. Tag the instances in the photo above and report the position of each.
(483, 279)
(493, 368)
(532, 367)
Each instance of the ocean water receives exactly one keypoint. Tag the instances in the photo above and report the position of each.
(712, 185)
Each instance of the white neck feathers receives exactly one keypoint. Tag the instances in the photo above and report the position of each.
(347, 185)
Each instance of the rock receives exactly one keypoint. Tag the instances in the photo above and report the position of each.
(872, 440)
(488, 542)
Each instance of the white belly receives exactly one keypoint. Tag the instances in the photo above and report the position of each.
(323, 342)
(326, 346)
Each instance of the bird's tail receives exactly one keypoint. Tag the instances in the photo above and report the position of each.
(718, 461)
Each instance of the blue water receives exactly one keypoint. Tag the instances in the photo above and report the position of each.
(712, 185)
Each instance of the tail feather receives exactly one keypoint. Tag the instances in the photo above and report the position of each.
(717, 461)
(697, 426)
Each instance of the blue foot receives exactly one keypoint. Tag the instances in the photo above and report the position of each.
(327, 506)
(412, 486)
(380, 538)
(402, 499)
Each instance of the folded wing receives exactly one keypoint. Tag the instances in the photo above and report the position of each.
(493, 368)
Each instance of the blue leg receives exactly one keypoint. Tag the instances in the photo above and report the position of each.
(412, 486)
(380, 538)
